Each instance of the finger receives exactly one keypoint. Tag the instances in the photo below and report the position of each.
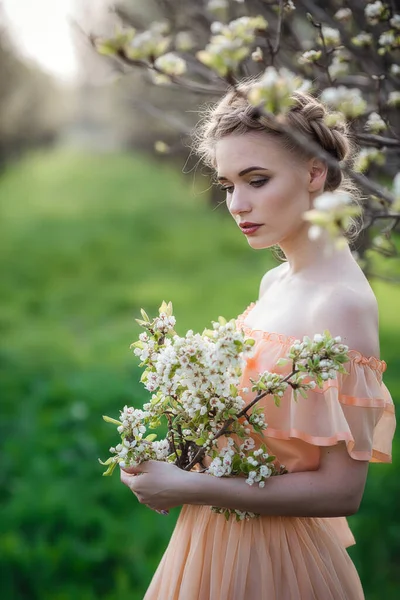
(127, 479)
(132, 470)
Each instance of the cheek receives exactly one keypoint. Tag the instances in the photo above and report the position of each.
(285, 196)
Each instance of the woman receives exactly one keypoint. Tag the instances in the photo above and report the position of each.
(296, 549)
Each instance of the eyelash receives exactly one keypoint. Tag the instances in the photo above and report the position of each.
(257, 184)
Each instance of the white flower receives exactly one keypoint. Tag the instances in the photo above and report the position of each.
(274, 89)
(310, 56)
(395, 70)
(394, 98)
(368, 156)
(331, 200)
(348, 100)
(387, 38)
(338, 67)
(375, 123)
(343, 14)
(395, 21)
(318, 338)
(331, 36)
(374, 11)
(362, 39)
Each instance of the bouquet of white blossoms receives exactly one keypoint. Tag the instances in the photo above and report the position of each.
(195, 382)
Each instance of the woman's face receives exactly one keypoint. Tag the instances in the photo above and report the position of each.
(265, 185)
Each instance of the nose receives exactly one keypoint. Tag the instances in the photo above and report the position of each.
(237, 204)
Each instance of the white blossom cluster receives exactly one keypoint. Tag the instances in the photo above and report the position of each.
(329, 36)
(134, 447)
(389, 40)
(362, 39)
(171, 64)
(321, 357)
(230, 43)
(343, 14)
(367, 157)
(274, 89)
(394, 99)
(375, 123)
(233, 459)
(395, 21)
(310, 56)
(200, 369)
(375, 12)
(272, 383)
(149, 44)
(338, 67)
(395, 70)
(348, 100)
(332, 213)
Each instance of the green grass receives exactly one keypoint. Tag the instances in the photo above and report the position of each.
(85, 242)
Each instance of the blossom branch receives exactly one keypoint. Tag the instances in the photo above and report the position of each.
(202, 451)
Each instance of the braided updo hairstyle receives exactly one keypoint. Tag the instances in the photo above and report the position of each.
(233, 114)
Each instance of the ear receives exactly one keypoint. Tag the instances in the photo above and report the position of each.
(317, 171)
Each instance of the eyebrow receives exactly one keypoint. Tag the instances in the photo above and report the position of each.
(245, 171)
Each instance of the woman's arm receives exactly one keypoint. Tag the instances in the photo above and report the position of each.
(335, 489)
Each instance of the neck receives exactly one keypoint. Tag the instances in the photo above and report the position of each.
(304, 255)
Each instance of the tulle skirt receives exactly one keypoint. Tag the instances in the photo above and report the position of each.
(269, 558)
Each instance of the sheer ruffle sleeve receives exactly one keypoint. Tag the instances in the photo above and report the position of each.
(356, 408)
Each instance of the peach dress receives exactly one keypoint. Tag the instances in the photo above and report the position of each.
(284, 558)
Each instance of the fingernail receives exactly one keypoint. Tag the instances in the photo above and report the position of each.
(162, 512)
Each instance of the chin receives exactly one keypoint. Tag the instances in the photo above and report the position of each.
(262, 242)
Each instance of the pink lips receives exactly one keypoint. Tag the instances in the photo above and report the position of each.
(249, 228)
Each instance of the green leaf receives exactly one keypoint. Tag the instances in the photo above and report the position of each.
(110, 420)
(107, 462)
(110, 469)
(144, 315)
(151, 437)
(282, 362)
(142, 323)
(201, 441)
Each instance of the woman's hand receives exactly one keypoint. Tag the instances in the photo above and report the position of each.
(160, 485)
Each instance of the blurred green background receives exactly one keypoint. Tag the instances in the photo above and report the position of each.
(86, 240)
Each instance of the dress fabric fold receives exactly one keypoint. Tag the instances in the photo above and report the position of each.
(284, 558)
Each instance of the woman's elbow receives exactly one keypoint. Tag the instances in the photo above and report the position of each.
(352, 502)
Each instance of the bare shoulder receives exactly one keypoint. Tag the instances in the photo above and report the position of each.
(271, 276)
(351, 313)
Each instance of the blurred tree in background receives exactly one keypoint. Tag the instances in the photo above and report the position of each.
(87, 238)
(31, 107)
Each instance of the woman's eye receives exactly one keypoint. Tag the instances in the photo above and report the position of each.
(227, 188)
(258, 182)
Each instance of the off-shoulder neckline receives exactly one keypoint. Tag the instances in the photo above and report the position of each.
(356, 356)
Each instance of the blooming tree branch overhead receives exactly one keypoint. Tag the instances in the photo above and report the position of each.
(289, 45)
(196, 387)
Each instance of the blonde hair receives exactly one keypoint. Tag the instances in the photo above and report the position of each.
(233, 114)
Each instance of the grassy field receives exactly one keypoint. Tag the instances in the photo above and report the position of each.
(85, 241)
